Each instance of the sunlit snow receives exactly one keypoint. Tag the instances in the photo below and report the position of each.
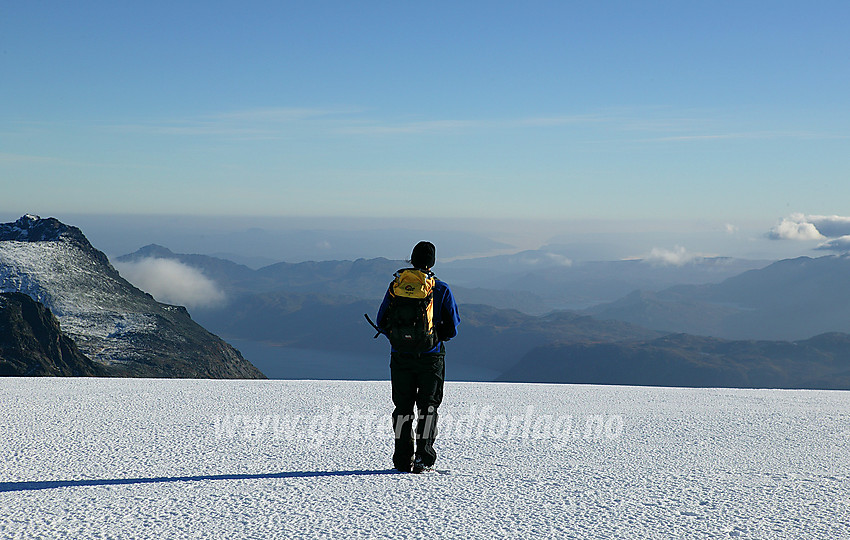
(133, 458)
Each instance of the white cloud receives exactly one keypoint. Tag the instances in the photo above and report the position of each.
(831, 226)
(541, 258)
(796, 227)
(840, 244)
(731, 229)
(172, 282)
(678, 256)
(833, 230)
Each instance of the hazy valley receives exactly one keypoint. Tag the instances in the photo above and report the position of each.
(511, 331)
(702, 322)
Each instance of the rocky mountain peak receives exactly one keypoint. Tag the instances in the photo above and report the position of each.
(32, 228)
(150, 251)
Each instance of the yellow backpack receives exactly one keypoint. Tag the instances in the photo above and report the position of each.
(410, 312)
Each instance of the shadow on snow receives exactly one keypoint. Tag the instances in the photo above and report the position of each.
(51, 484)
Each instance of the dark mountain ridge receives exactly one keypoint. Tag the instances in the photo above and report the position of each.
(31, 343)
(822, 362)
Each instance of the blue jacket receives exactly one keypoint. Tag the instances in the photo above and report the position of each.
(446, 317)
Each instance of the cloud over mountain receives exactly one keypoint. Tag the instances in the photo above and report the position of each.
(795, 227)
(678, 256)
(831, 226)
(835, 229)
(172, 282)
(840, 244)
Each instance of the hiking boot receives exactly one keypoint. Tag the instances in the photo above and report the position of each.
(419, 467)
(403, 466)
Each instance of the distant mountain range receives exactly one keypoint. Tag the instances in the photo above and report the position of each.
(791, 299)
(822, 362)
(361, 278)
(319, 306)
(550, 280)
(113, 323)
(751, 310)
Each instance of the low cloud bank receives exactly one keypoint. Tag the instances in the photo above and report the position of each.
(834, 229)
(840, 244)
(541, 258)
(678, 256)
(172, 282)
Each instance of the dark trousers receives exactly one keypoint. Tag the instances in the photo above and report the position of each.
(417, 381)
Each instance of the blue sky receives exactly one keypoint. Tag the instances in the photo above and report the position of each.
(719, 113)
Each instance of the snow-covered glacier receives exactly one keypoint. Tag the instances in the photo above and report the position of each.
(142, 458)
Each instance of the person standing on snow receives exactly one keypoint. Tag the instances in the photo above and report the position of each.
(417, 360)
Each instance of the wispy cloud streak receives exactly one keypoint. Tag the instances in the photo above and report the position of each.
(277, 122)
(264, 123)
(21, 158)
(756, 135)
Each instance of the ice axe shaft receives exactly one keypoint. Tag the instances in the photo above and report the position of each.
(375, 326)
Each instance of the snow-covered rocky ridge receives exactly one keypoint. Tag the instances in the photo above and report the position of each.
(131, 458)
(112, 322)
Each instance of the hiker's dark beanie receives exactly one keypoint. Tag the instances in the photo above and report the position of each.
(424, 255)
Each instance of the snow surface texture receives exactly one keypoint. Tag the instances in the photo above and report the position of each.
(133, 458)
